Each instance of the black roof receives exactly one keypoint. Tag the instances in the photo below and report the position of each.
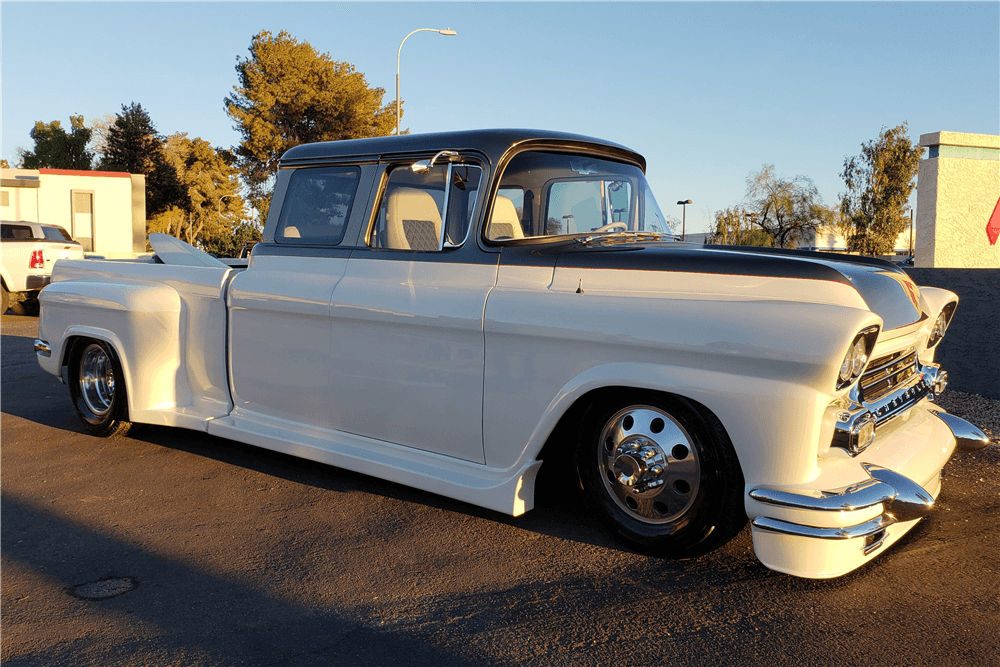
(493, 143)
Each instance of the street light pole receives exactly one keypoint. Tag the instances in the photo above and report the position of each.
(684, 203)
(447, 31)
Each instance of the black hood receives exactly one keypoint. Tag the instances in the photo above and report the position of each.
(887, 289)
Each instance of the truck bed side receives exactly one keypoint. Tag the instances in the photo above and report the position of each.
(166, 323)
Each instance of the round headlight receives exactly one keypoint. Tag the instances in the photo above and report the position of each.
(940, 326)
(846, 368)
(859, 358)
(854, 362)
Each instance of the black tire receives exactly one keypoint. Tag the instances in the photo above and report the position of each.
(30, 307)
(6, 299)
(97, 388)
(18, 308)
(661, 474)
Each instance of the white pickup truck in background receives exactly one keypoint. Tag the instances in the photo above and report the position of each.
(29, 251)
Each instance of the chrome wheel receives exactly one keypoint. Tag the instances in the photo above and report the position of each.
(97, 380)
(649, 465)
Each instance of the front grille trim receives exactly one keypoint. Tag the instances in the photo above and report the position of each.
(887, 373)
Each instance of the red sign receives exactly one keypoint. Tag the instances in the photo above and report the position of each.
(911, 291)
(993, 226)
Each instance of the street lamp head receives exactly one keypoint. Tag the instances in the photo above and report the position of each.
(447, 31)
(686, 201)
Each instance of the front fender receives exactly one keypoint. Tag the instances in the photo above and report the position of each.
(774, 425)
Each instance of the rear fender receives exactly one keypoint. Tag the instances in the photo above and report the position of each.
(141, 322)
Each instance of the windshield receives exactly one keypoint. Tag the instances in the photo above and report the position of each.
(558, 194)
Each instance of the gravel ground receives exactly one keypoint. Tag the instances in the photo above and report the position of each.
(979, 410)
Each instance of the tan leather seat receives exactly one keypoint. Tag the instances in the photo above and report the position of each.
(504, 223)
(412, 220)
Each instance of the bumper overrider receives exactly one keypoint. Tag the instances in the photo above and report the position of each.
(827, 533)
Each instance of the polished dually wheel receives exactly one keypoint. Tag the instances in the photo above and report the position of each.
(97, 379)
(97, 388)
(648, 464)
(660, 472)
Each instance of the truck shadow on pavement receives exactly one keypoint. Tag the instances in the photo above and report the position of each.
(177, 610)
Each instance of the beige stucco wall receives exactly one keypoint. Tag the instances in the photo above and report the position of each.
(957, 191)
(21, 201)
(119, 206)
(112, 227)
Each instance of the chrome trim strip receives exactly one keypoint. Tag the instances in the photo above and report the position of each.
(894, 370)
(42, 347)
(900, 496)
(911, 501)
(968, 438)
(857, 496)
(907, 501)
(904, 398)
(846, 533)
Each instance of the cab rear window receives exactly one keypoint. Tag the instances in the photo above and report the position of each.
(55, 233)
(317, 205)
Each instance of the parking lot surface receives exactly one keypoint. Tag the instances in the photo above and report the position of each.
(172, 547)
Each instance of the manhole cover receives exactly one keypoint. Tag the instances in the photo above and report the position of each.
(105, 588)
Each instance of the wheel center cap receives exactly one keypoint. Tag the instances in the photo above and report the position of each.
(639, 464)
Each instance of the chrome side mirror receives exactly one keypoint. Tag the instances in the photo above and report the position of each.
(423, 166)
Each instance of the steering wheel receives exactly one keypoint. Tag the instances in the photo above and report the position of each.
(622, 226)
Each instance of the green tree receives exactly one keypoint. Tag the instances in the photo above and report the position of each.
(735, 226)
(132, 145)
(55, 148)
(879, 183)
(289, 94)
(242, 232)
(785, 209)
(209, 215)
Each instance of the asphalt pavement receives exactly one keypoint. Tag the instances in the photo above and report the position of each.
(172, 547)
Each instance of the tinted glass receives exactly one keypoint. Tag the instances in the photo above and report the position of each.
(54, 233)
(16, 232)
(317, 205)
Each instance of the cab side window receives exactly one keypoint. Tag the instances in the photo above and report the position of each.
(317, 205)
(412, 214)
(17, 233)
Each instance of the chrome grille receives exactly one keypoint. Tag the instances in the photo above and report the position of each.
(885, 374)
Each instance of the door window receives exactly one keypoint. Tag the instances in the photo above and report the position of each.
(426, 209)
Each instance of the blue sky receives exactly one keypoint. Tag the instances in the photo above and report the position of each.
(707, 91)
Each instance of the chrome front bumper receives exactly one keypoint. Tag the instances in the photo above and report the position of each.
(42, 348)
(968, 438)
(901, 499)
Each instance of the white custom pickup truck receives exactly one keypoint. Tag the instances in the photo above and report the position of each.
(453, 311)
(29, 251)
